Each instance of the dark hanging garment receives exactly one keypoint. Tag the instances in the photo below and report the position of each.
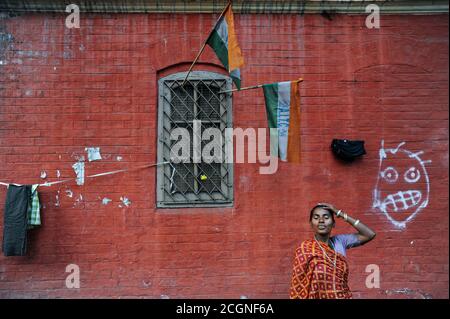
(15, 220)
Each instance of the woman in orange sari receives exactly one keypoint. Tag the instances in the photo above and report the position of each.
(320, 266)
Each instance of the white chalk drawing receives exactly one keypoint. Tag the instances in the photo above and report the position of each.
(93, 153)
(401, 193)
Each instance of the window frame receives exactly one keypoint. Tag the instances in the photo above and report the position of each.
(163, 197)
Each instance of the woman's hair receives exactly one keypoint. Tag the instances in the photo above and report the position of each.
(323, 207)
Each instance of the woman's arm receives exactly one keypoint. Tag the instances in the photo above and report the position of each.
(365, 234)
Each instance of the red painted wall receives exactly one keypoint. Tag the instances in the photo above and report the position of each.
(62, 90)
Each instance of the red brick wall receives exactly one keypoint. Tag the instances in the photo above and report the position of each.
(62, 90)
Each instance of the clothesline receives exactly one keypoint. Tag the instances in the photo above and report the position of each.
(92, 176)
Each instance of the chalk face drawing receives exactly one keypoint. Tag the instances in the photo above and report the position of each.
(403, 187)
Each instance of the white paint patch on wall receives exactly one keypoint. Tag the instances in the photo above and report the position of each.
(79, 170)
(78, 201)
(106, 201)
(69, 193)
(125, 201)
(43, 174)
(93, 153)
(57, 204)
(119, 158)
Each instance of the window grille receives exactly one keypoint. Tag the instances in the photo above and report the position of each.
(187, 184)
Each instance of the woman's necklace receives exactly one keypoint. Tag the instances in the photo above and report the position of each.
(325, 253)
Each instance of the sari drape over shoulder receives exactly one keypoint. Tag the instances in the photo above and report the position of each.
(319, 273)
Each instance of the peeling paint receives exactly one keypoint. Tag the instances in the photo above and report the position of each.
(79, 170)
(106, 200)
(415, 294)
(67, 55)
(78, 200)
(6, 40)
(32, 54)
(57, 204)
(125, 201)
(93, 153)
(6, 37)
(78, 158)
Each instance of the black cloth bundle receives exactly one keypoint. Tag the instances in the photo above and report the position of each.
(347, 150)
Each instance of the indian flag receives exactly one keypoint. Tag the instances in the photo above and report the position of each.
(283, 115)
(223, 41)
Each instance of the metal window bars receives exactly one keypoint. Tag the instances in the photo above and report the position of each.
(184, 183)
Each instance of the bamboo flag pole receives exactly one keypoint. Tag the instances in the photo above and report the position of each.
(253, 87)
(204, 43)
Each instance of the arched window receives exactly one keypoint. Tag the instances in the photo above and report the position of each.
(192, 120)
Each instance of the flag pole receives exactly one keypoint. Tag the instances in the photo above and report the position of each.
(204, 44)
(253, 87)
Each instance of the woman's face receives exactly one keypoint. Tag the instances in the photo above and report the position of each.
(322, 221)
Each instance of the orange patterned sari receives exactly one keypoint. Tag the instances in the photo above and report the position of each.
(319, 273)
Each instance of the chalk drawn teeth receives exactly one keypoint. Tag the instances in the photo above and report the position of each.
(402, 200)
(411, 175)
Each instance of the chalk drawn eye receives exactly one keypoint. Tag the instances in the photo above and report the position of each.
(390, 175)
(412, 175)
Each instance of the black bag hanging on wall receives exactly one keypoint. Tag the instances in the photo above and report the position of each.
(347, 150)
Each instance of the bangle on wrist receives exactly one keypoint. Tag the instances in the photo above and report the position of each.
(346, 217)
(338, 213)
(356, 223)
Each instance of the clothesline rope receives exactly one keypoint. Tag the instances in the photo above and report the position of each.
(95, 175)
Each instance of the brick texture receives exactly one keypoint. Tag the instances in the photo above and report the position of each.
(62, 90)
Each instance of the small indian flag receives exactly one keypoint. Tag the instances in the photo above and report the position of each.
(223, 41)
(283, 115)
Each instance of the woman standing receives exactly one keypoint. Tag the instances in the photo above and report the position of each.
(320, 266)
